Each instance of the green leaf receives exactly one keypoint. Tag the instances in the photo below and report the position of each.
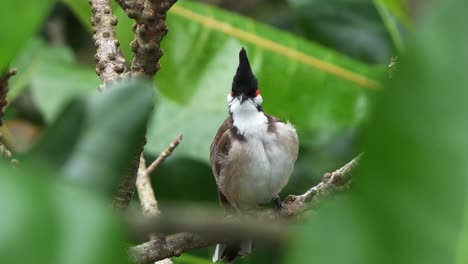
(56, 81)
(27, 62)
(53, 75)
(399, 8)
(409, 195)
(47, 222)
(322, 93)
(17, 29)
(352, 27)
(391, 23)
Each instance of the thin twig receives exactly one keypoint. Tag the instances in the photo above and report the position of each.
(164, 154)
(176, 244)
(330, 180)
(145, 191)
(110, 63)
(143, 182)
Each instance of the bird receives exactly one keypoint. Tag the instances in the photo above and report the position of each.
(252, 155)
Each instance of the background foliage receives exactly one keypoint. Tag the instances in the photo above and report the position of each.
(321, 64)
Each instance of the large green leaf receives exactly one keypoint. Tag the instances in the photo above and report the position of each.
(400, 9)
(352, 27)
(409, 198)
(53, 75)
(322, 93)
(27, 62)
(46, 222)
(389, 11)
(19, 20)
(56, 81)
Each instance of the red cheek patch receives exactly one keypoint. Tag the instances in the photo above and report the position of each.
(257, 93)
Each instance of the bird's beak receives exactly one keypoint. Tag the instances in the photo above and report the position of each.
(242, 98)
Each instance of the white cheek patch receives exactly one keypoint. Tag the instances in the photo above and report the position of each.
(258, 100)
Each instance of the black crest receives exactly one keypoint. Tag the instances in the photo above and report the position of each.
(244, 81)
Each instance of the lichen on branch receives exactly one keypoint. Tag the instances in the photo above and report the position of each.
(149, 28)
(110, 63)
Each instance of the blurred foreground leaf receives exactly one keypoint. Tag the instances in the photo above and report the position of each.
(93, 141)
(190, 259)
(46, 222)
(409, 198)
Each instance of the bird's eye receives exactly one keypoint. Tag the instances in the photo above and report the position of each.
(257, 93)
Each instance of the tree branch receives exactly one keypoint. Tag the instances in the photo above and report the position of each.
(4, 152)
(172, 245)
(110, 63)
(331, 182)
(4, 91)
(148, 200)
(150, 29)
(201, 231)
(126, 187)
(176, 244)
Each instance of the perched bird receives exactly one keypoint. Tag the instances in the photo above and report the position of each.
(252, 155)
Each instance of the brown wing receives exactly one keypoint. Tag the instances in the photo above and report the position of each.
(220, 146)
(271, 122)
(219, 150)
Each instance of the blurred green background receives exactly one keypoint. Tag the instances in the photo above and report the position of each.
(321, 64)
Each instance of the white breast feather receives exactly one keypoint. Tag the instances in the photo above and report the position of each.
(269, 161)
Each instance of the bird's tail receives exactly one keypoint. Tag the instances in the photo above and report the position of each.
(230, 252)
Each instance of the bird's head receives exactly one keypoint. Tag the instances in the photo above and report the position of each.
(244, 85)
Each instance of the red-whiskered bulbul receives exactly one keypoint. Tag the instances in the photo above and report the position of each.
(252, 155)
